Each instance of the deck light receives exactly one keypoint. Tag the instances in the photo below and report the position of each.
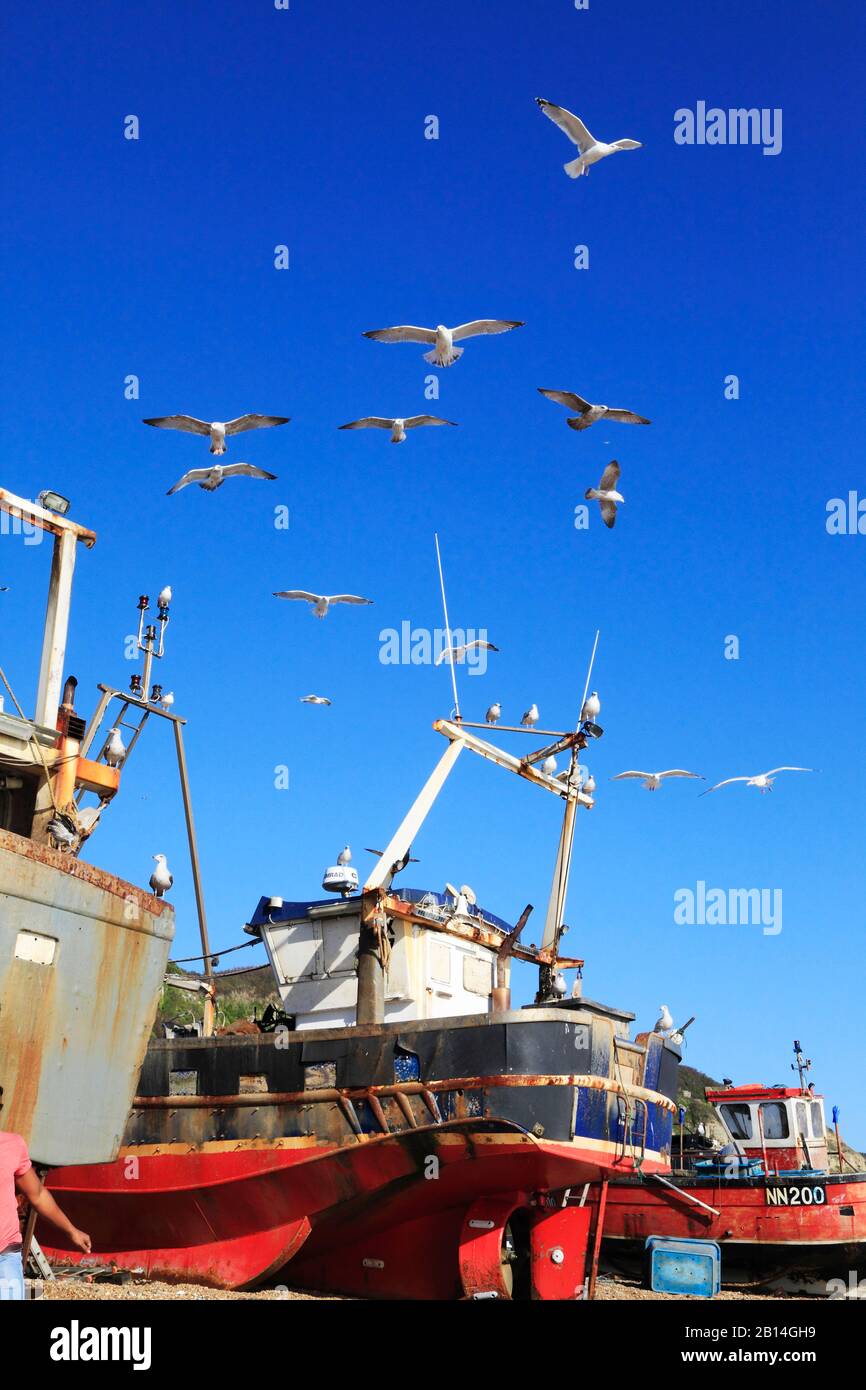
(53, 502)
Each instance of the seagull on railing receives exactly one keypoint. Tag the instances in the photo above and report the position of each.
(494, 713)
(530, 718)
(161, 879)
(115, 749)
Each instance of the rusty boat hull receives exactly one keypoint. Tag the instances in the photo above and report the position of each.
(792, 1228)
(352, 1160)
(82, 957)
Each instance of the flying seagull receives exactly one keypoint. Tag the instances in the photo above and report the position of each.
(161, 879)
(397, 427)
(315, 700)
(591, 708)
(587, 413)
(664, 1023)
(606, 493)
(653, 780)
(764, 780)
(456, 654)
(212, 478)
(530, 718)
(320, 603)
(591, 150)
(115, 749)
(443, 353)
(217, 429)
(494, 714)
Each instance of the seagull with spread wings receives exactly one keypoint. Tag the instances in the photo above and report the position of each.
(443, 352)
(315, 700)
(606, 494)
(587, 413)
(456, 653)
(763, 781)
(320, 603)
(212, 478)
(591, 150)
(653, 780)
(218, 430)
(397, 427)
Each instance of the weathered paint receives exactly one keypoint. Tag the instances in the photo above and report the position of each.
(73, 1032)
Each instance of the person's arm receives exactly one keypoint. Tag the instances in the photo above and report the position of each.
(42, 1201)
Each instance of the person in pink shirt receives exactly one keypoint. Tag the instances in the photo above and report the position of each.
(17, 1173)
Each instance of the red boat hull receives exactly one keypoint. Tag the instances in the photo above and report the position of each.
(785, 1227)
(234, 1216)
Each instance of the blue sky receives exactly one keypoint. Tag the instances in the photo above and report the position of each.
(155, 257)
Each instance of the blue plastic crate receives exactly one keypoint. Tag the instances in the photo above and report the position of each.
(681, 1266)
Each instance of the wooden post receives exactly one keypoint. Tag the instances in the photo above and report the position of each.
(596, 1244)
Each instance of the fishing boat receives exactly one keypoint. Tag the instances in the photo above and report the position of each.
(767, 1195)
(396, 1128)
(82, 952)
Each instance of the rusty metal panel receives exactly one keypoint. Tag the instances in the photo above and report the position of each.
(82, 957)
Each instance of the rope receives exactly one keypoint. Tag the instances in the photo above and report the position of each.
(32, 739)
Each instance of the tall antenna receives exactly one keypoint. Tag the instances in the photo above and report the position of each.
(448, 629)
(589, 673)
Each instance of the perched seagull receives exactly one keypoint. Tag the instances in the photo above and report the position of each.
(320, 603)
(212, 478)
(530, 718)
(587, 414)
(397, 427)
(115, 749)
(494, 714)
(653, 780)
(591, 150)
(606, 493)
(591, 708)
(62, 831)
(167, 700)
(217, 429)
(161, 879)
(589, 785)
(315, 700)
(664, 1023)
(443, 353)
(345, 856)
(456, 654)
(764, 780)
(549, 766)
(164, 597)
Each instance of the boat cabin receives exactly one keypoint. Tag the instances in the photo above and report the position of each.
(441, 957)
(780, 1125)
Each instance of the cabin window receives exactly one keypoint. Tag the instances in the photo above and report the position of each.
(802, 1120)
(319, 1075)
(738, 1119)
(775, 1118)
(440, 963)
(252, 1085)
(817, 1120)
(183, 1083)
(477, 975)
